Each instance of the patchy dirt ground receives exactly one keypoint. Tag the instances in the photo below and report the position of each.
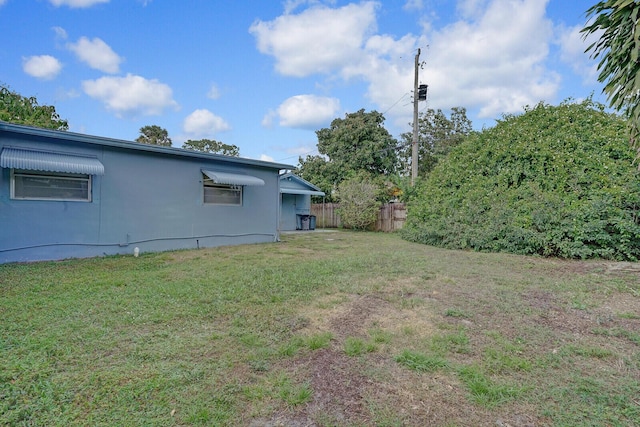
(374, 390)
(352, 391)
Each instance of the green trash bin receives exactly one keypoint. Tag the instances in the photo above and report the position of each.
(312, 222)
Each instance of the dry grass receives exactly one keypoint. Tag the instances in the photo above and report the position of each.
(322, 329)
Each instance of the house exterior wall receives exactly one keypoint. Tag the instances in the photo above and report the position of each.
(292, 205)
(145, 199)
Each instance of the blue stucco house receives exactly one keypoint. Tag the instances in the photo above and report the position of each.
(67, 195)
(296, 201)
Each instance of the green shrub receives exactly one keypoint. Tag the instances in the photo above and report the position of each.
(359, 205)
(554, 181)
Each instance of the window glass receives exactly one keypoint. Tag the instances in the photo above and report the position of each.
(222, 194)
(33, 185)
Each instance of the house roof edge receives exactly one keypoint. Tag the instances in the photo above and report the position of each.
(300, 180)
(131, 145)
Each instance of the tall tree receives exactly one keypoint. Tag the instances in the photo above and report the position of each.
(154, 135)
(615, 22)
(15, 108)
(212, 146)
(437, 135)
(357, 143)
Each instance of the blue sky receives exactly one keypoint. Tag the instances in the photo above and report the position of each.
(265, 75)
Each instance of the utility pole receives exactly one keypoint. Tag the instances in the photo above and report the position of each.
(414, 143)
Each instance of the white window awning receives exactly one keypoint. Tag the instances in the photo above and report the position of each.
(232, 178)
(19, 158)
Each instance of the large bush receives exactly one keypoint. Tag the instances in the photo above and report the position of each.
(555, 181)
(359, 205)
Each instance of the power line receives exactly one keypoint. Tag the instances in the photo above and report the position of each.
(299, 155)
(314, 150)
(396, 103)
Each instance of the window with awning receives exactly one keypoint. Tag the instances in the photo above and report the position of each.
(52, 176)
(46, 161)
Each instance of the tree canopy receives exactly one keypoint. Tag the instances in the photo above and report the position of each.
(437, 135)
(615, 22)
(154, 135)
(357, 143)
(554, 181)
(322, 173)
(18, 109)
(211, 146)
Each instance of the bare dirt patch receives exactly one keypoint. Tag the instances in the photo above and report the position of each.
(376, 390)
(617, 310)
(552, 314)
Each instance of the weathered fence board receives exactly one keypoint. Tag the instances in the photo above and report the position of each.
(390, 218)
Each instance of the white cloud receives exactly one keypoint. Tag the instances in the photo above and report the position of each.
(471, 8)
(493, 61)
(97, 54)
(203, 123)
(291, 5)
(388, 66)
(76, 3)
(412, 5)
(131, 95)
(214, 92)
(307, 111)
(61, 33)
(63, 94)
(266, 158)
(267, 120)
(572, 52)
(44, 67)
(318, 40)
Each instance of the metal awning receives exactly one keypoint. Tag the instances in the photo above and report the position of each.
(19, 158)
(300, 191)
(232, 178)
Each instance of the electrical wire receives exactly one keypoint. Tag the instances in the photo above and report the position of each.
(396, 103)
(316, 150)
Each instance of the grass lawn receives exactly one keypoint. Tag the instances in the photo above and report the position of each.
(321, 329)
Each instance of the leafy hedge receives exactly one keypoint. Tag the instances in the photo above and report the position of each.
(554, 181)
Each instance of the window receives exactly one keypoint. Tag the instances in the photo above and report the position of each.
(222, 194)
(35, 185)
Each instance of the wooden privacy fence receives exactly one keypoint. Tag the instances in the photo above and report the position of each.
(391, 216)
